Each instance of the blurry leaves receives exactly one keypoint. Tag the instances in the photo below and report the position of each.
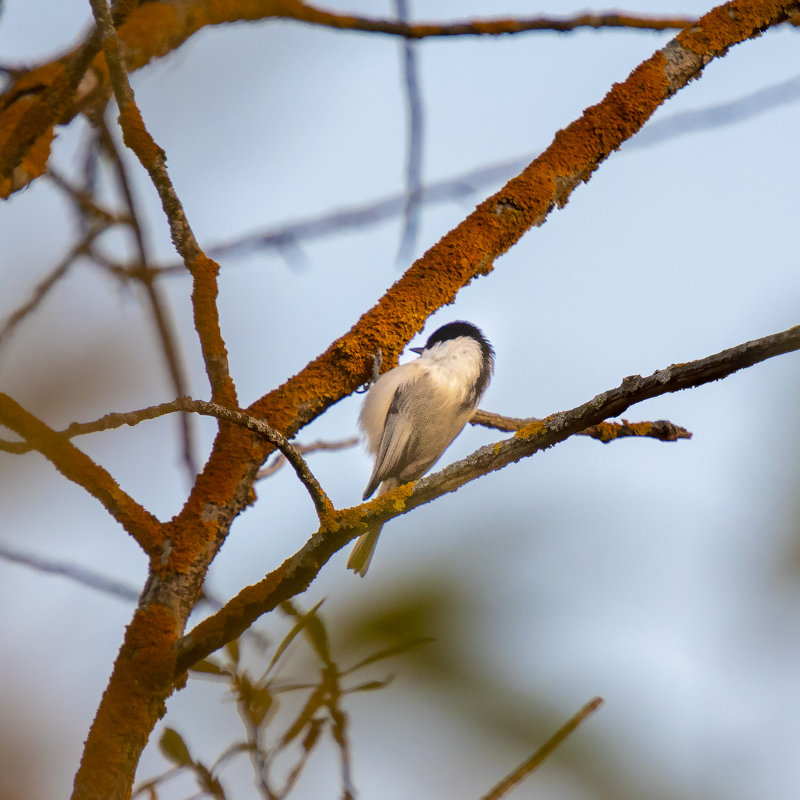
(283, 720)
(174, 748)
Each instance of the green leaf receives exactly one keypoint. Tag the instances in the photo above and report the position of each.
(232, 649)
(302, 621)
(370, 686)
(315, 700)
(208, 667)
(174, 748)
(389, 652)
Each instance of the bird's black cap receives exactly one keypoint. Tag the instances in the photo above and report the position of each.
(453, 330)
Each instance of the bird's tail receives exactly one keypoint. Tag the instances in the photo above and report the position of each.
(364, 547)
(363, 550)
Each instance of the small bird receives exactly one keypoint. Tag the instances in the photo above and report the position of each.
(413, 412)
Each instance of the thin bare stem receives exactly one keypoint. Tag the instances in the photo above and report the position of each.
(605, 432)
(529, 765)
(46, 284)
(321, 501)
(74, 572)
(413, 201)
(314, 447)
(484, 27)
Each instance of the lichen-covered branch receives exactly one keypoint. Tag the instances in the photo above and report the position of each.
(297, 572)
(162, 319)
(75, 465)
(54, 92)
(153, 159)
(605, 432)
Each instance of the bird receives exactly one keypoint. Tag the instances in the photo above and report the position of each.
(414, 411)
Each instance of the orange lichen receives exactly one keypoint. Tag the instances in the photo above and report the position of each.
(150, 31)
(143, 672)
(730, 24)
(136, 136)
(532, 429)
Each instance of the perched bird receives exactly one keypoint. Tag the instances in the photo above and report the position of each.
(414, 411)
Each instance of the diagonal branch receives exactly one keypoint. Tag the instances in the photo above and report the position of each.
(529, 765)
(47, 283)
(75, 572)
(153, 159)
(79, 468)
(161, 318)
(298, 571)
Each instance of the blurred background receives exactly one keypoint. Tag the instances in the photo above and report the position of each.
(660, 576)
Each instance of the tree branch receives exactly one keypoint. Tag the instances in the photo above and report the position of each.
(117, 419)
(529, 765)
(605, 432)
(42, 97)
(161, 318)
(75, 572)
(153, 159)
(413, 198)
(75, 465)
(298, 571)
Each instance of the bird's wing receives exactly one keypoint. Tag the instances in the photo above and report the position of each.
(415, 412)
(397, 437)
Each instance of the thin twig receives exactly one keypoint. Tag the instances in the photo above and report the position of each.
(528, 766)
(117, 419)
(296, 573)
(44, 286)
(75, 572)
(487, 27)
(413, 201)
(280, 458)
(321, 501)
(605, 432)
(161, 318)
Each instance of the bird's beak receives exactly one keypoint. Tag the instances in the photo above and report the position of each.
(417, 350)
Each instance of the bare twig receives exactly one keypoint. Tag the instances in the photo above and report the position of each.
(46, 284)
(321, 501)
(605, 432)
(490, 27)
(280, 458)
(528, 766)
(75, 572)
(413, 200)
(297, 572)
